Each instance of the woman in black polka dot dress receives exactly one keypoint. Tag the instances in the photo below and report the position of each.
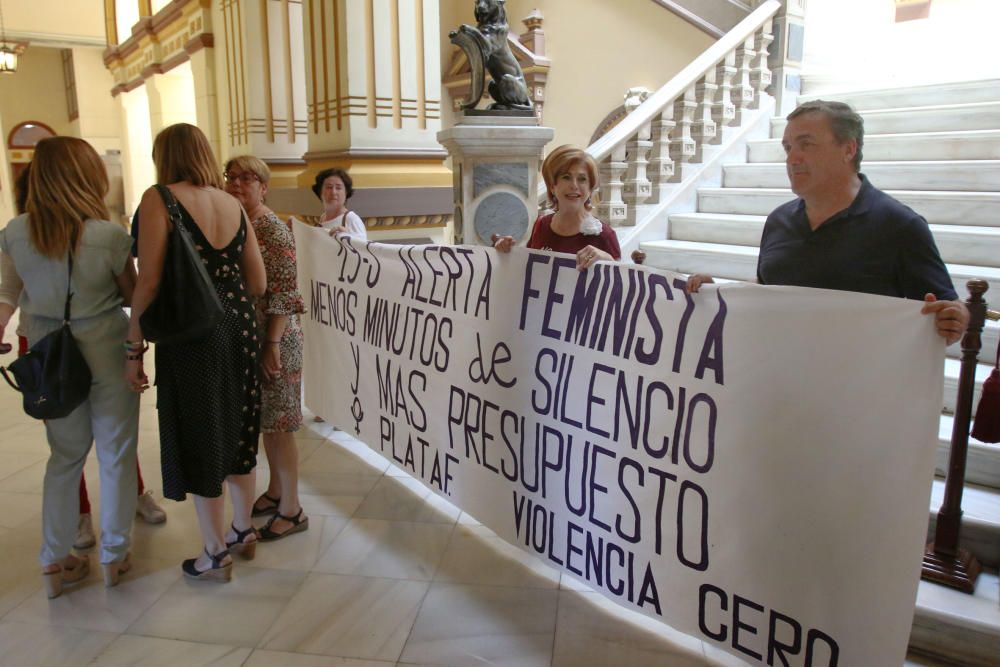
(208, 392)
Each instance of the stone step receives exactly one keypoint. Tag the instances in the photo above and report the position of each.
(968, 145)
(938, 175)
(958, 92)
(951, 368)
(954, 626)
(740, 262)
(953, 117)
(980, 520)
(943, 208)
(957, 244)
(983, 464)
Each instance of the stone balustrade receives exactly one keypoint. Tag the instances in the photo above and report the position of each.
(642, 155)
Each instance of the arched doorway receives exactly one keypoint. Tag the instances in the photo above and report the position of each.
(21, 142)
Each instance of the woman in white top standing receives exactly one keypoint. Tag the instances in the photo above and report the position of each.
(334, 187)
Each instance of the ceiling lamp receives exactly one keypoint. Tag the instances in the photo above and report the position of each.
(8, 52)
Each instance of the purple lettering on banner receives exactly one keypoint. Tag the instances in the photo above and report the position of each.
(778, 648)
(738, 625)
(487, 434)
(571, 549)
(682, 328)
(594, 488)
(703, 591)
(545, 408)
(594, 400)
(661, 491)
(553, 296)
(832, 648)
(636, 535)
(581, 309)
(711, 351)
(435, 274)
(652, 356)
(483, 301)
(529, 292)
(619, 587)
(620, 312)
(713, 414)
(581, 508)
(702, 563)
(507, 415)
(656, 385)
(550, 435)
(374, 266)
(533, 485)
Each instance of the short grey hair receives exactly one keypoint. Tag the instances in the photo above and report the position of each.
(846, 122)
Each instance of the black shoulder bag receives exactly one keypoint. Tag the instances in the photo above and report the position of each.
(186, 307)
(53, 377)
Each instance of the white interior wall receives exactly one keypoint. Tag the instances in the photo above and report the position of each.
(857, 44)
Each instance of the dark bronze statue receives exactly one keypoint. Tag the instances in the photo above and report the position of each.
(487, 50)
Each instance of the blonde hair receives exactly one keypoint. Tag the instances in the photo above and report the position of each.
(181, 152)
(253, 164)
(560, 161)
(66, 187)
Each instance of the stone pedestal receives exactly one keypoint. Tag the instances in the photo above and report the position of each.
(495, 162)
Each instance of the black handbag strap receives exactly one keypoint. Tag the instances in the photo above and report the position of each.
(10, 381)
(171, 203)
(69, 285)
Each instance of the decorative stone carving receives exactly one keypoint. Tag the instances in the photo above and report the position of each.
(528, 50)
(487, 49)
(682, 147)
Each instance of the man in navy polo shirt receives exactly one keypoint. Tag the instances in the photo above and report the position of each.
(842, 233)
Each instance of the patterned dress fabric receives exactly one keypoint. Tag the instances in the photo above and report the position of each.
(208, 391)
(281, 410)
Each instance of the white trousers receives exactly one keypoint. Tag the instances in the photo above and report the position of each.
(109, 418)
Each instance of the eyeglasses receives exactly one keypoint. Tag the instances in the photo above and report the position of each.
(246, 177)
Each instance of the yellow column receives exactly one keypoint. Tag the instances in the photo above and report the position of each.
(373, 85)
(138, 172)
(6, 187)
(171, 98)
(204, 81)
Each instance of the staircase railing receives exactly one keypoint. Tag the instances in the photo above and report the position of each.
(642, 155)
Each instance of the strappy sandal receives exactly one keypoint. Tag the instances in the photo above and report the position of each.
(299, 524)
(267, 509)
(64, 575)
(240, 546)
(218, 571)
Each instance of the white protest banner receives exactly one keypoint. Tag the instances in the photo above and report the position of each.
(749, 464)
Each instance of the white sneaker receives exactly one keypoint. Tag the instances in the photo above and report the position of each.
(84, 533)
(147, 508)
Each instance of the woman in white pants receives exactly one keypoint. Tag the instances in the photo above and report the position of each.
(66, 215)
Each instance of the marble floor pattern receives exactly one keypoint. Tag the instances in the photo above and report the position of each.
(388, 574)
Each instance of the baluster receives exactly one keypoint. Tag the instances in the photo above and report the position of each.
(743, 89)
(612, 208)
(661, 167)
(760, 75)
(637, 185)
(682, 147)
(704, 129)
(723, 109)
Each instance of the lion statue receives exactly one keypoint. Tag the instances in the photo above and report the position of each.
(487, 49)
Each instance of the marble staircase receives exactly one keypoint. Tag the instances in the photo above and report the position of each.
(937, 149)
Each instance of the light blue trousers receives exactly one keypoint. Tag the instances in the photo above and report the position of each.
(109, 418)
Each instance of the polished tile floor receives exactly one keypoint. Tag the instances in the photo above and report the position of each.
(387, 574)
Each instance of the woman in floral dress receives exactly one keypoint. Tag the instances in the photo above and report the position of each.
(281, 357)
